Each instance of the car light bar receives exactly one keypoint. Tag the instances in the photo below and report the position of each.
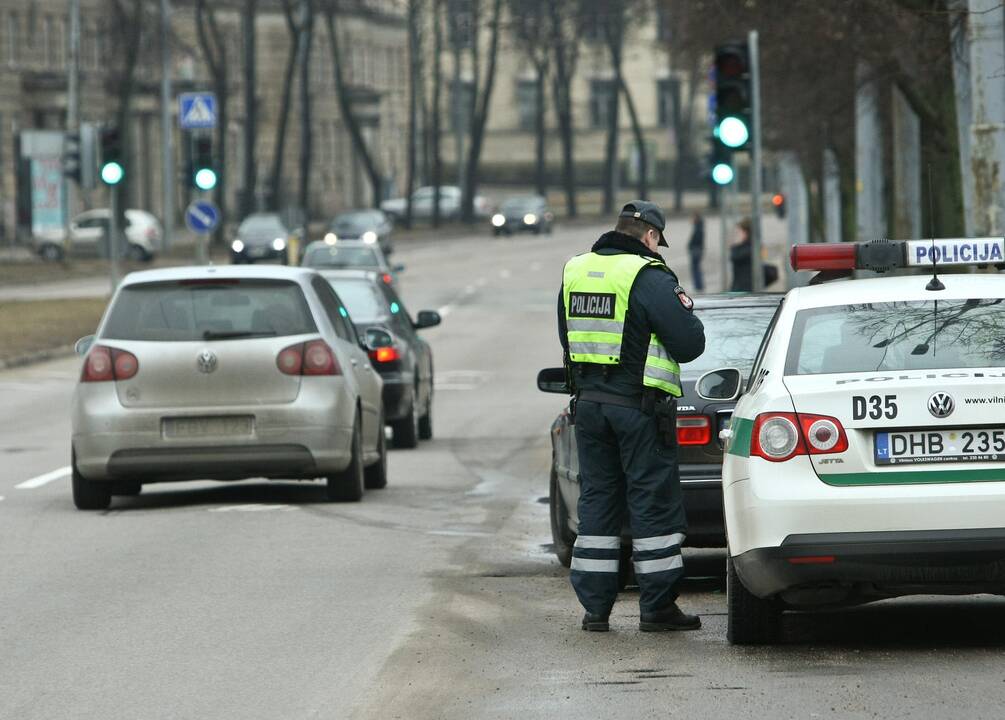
(884, 255)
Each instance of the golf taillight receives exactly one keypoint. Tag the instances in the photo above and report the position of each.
(385, 355)
(104, 364)
(693, 430)
(310, 358)
(386, 277)
(779, 436)
(823, 256)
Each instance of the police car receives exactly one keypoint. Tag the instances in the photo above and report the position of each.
(865, 458)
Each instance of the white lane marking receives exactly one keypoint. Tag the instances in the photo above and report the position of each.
(452, 305)
(37, 482)
(1, 498)
(252, 507)
(460, 379)
(459, 533)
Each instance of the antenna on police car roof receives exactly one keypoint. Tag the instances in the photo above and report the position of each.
(934, 284)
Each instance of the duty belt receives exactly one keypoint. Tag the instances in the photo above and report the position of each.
(644, 402)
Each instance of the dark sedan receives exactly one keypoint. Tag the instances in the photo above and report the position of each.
(262, 236)
(734, 326)
(523, 213)
(368, 226)
(406, 365)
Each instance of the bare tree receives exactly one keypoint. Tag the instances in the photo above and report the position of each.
(529, 27)
(565, 23)
(214, 50)
(436, 107)
(306, 126)
(129, 17)
(249, 13)
(415, 89)
(343, 92)
(286, 100)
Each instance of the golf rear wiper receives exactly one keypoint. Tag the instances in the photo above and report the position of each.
(235, 334)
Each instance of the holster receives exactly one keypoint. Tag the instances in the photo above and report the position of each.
(665, 412)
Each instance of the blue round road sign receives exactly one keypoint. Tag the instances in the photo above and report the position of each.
(202, 217)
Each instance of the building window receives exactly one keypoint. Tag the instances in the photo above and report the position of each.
(663, 28)
(461, 95)
(526, 102)
(601, 96)
(667, 98)
(50, 43)
(13, 35)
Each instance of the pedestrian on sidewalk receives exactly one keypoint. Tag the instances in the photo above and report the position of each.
(625, 323)
(696, 249)
(741, 258)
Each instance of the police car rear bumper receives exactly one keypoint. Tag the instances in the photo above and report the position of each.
(825, 568)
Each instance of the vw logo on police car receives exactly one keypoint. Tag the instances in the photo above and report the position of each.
(941, 405)
(206, 362)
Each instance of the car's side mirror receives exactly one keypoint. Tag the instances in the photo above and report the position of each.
(722, 385)
(427, 319)
(83, 345)
(553, 380)
(399, 268)
(377, 338)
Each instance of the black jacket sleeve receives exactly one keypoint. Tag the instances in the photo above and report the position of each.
(680, 331)
(563, 335)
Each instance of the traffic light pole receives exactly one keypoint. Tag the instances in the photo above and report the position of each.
(167, 128)
(755, 164)
(113, 236)
(72, 119)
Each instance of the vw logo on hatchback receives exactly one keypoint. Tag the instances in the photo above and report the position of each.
(941, 405)
(206, 362)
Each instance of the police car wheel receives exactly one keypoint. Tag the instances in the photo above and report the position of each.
(562, 538)
(347, 485)
(88, 495)
(375, 476)
(406, 431)
(749, 619)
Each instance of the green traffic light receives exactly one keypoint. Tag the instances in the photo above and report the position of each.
(733, 132)
(205, 179)
(112, 173)
(722, 174)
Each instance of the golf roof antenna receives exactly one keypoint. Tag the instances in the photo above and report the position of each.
(934, 284)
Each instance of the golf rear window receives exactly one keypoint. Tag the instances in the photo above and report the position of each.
(903, 335)
(182, 311)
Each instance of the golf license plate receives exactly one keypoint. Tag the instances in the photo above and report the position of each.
(910, 447)
(199, 427)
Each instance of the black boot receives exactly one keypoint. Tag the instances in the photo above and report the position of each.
(595, 623)
(669, 618)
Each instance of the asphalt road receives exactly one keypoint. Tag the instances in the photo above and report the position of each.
(434, 598)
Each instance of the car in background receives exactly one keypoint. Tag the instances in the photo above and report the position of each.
(89, 236)
(406, 364)
(734, 326)
(523, 213)
(329, 254)
(370, 226)
(422, 204)
(260, 236)
(226, 373)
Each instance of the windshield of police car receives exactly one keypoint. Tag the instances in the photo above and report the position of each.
(905, 335)
(732, 336)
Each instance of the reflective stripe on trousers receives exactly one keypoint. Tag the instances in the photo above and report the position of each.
(596, 553)
(657, 554)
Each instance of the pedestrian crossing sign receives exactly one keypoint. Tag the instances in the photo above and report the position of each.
(197, 111)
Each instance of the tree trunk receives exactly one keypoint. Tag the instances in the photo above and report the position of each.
(306, 126)
(643, 181)
(250, 107)
(276, 175)
(345, 106)
(211, 43)
(437, 107)
(479, 118)
(561, 81)
(133, 24)
(611, 164)
(540, 150)
(414, 80)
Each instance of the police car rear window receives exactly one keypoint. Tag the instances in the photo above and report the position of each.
(906, 335)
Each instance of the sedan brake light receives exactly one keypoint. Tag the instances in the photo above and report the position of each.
(693, 430)
(310, 358)
(780, 436)
(385, 354)
(104, 364)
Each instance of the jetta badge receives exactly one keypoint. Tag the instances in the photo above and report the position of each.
(941, 405)
(206, 362)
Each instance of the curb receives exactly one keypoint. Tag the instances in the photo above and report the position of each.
(36, 357)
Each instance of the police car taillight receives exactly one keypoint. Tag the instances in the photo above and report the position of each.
(780, 436)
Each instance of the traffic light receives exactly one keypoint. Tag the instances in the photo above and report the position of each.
(203, 171)
(778, 202)
(721, 163)
(112, 168)
(71, 156)
(732, 95)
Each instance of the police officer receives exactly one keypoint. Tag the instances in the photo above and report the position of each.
(625, 324)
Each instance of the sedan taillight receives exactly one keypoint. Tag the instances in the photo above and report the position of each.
(693, 430)
(310, 358)
(780, 436)
(105, 364)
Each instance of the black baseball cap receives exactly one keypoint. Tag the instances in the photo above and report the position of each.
(649, 213)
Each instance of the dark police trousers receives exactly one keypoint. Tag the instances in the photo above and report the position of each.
(623, 461)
